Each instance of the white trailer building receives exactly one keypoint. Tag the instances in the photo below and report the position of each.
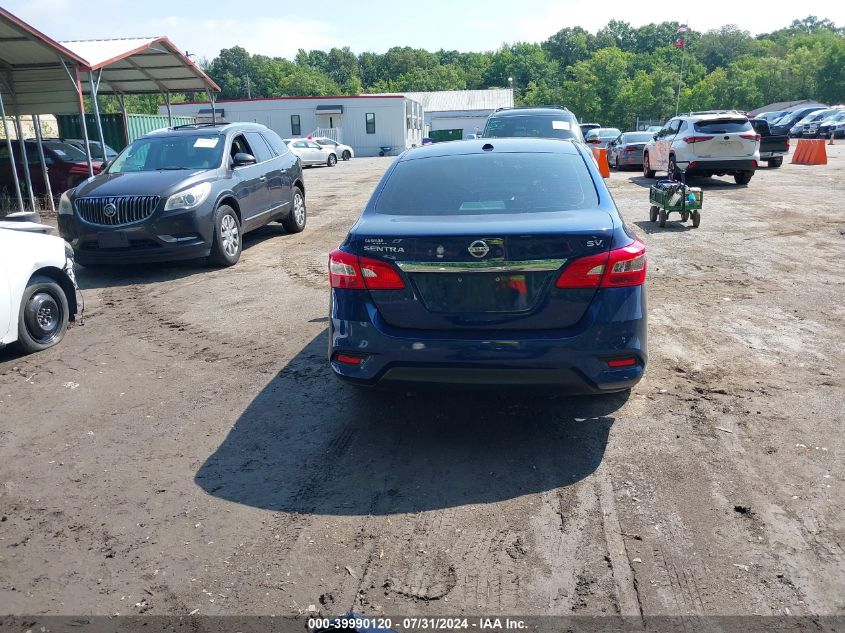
(367, 122)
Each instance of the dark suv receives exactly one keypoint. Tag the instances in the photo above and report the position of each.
(537, 122)
(185, 192)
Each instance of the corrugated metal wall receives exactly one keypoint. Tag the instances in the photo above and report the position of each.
(117, 133)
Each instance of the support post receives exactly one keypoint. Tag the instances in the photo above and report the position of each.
(22, 144)
(11, 154)
(122, 103)
(213, 112)
(84, 124)
(36, 119)
(169, 111)
(94, 87)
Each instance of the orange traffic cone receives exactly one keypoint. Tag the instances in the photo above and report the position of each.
(600, 154)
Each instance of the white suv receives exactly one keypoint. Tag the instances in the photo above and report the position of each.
(705, 144)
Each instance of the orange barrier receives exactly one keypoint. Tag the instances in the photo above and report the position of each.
(810, 152)
(600, 154)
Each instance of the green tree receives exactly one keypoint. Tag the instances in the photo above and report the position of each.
(719, 47)
(570, 45)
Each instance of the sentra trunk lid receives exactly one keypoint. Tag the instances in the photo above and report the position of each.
(476, 272)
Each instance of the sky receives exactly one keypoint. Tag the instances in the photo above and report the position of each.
(280, 28)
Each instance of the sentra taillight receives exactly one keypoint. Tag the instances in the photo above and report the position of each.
(626, 266)
(620, 267)
(584, 272)
(344, 271)
(360, 273)
(697, 139)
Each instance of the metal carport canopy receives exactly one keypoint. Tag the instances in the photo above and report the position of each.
(39, 75)
(139, 66)
(35, 70)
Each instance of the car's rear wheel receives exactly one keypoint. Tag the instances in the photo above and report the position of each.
(743, 177)
(774, 163)
(346, 155)
(662, 215)
(332, 161)
(227, 244)
(295, 221)
(648, 172)
(43, 315)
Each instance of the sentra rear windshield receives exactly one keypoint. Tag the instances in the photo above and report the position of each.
(723, 126)
(488, 184)
(533, 126)
(164, 153)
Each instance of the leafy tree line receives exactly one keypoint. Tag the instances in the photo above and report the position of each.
(612, 77)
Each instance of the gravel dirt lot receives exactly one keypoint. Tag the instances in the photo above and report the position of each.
(188, 449)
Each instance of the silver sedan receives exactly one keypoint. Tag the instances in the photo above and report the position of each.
(311, 152)
(627, 149)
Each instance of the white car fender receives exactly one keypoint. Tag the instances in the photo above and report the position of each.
(22, 255)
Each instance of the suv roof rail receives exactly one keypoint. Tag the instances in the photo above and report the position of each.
(533, 107)
(716, 112)
(186, 126)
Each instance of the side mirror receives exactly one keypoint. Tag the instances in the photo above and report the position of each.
(106, 164)
(242, 159)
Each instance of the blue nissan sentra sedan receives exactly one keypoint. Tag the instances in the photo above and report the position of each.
(494, 261)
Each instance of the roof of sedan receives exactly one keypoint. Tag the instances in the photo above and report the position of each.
(510, 145)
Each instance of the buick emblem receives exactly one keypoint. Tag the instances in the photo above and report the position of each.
(478, 248)
(110, 210)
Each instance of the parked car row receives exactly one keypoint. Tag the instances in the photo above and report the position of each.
(314, 151)
(457, 243)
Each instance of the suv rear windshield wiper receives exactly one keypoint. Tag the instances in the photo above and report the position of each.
(173, 168)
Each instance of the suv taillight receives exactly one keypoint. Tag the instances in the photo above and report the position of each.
(624, 266)
(362, 273)
(697, 139)
(750, 137)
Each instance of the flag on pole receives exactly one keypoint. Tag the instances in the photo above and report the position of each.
(680, 39)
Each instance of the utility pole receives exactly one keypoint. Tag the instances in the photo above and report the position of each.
(680, 43)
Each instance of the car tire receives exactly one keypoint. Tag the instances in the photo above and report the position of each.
(228, 240)
(662, 215)
(332, 160)
(647, 171)
(298, 216)
(672, 170)
(43, 315)
(652, 213)
(774, 163)
(696, 219)
(743, 177)
(346, 155)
